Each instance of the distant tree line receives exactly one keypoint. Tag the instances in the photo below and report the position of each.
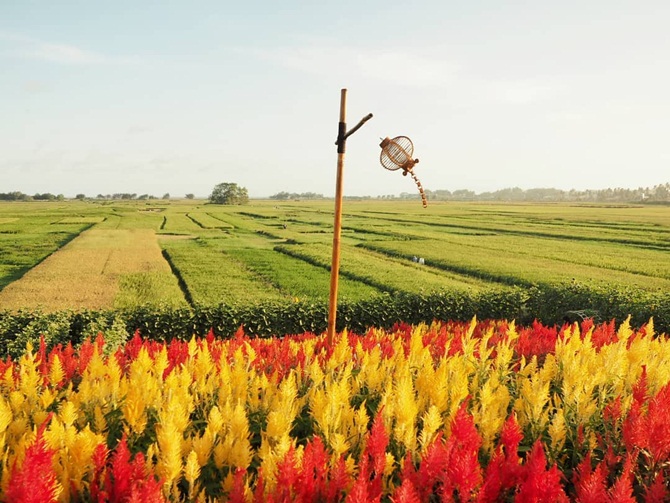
(20, 196)
(231, 193)
(656, 194)
(285, 196)
(125, 195)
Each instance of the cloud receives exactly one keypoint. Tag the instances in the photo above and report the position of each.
(520, 92)
(35, 86)
(58, 52)
(63, 53)
(395, 67)
(409, 69)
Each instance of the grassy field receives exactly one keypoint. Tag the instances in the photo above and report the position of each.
(125, 253)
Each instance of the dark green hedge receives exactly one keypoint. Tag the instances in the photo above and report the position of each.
(550, 305)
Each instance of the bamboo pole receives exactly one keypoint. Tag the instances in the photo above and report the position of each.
(342, 135)
(337, 225)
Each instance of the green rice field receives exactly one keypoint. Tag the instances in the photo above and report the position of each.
(210, 254)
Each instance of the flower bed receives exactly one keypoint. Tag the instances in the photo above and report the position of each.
(480, 411)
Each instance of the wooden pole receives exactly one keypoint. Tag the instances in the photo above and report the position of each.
(337, 226)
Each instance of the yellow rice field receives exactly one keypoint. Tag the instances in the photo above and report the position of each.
(100, 269)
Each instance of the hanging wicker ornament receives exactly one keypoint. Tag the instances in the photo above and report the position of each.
(396, 154)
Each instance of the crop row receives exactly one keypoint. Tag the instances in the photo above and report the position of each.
(507, 265)
(605, 225)
(384, 273)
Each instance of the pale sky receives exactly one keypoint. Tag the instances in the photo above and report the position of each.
(177, 96)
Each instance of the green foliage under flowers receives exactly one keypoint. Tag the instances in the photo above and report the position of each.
(550, 305)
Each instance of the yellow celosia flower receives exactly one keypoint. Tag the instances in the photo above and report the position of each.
(215, 420)
(240, 452)
(532, 406)
(46, 397)
(432, 422)
(192, 469)
(490, 410)
(68, 413)
(557, 431)
(406, 411)
(30, 380)
(99, 421)
(360, 426)
(339, 444)
(202, 445)
(56, 372)
(169, 440)
(134, 410)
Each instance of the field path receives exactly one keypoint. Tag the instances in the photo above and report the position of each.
(87, 272)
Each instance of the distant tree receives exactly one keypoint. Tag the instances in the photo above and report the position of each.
(47, 196)
(166, 195)
(190, 196)
(15, 196)
(281, 196)
(80, 197)
(123, 195)
(143, 197)
(229, 193)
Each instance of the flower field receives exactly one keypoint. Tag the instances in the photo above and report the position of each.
(479, 411)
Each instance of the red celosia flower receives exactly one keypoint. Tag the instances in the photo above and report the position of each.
(145, 488)
(657, 492)
(118, 484)
(640, 387)
(658, 425)
(510, 438)
(406, 493)
(287, 477)
(35, 480)
(237, 492)
(377, 443)
(540, 485)
(590, 485)
(504, 471)
(604, 333)
(433, 466)
(123, 480)
(338, 481)
(260, 488)
(42, 358)
(311, 484)
(463, 469)
(86, 351)
(622, 491)
(612, 411)
(451, 465)
(359, 492)
(98, 493)
(492, 487)
(537, 340)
